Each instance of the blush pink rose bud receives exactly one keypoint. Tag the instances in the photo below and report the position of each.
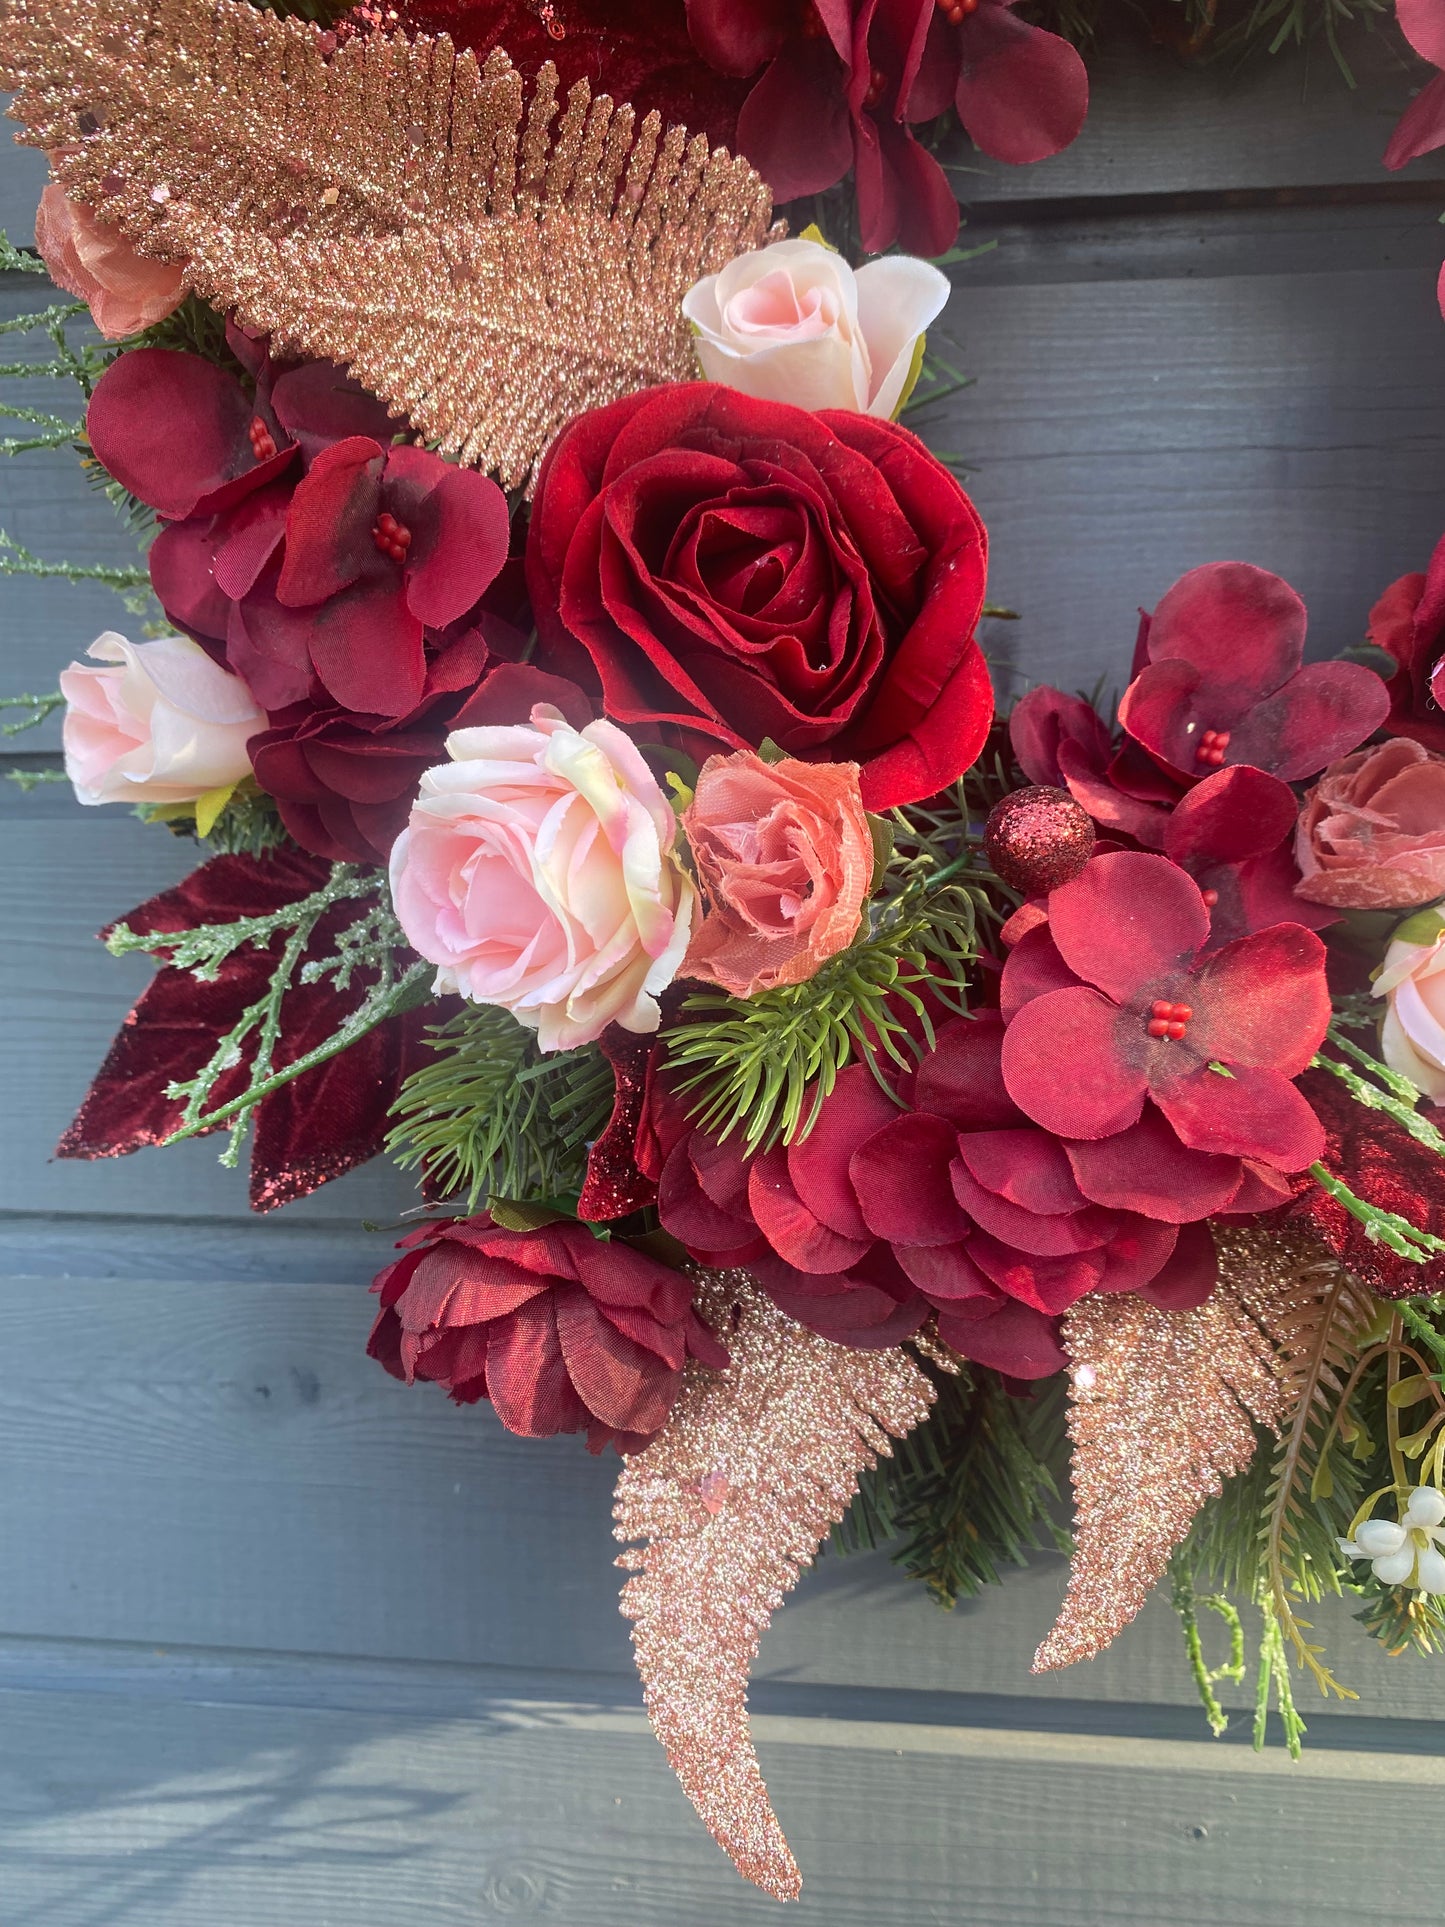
(1412, 981)
(793, 322)
(784, 859)
(1372, 832)
(124, 290)
(154, 722)
(537, 873)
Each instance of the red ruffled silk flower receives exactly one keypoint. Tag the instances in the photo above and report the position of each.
(318, 1126)
(726, 570)
(562, 1332)
(953, 1204)
(1223, 681)
(1408, 622)
(1167, 1060)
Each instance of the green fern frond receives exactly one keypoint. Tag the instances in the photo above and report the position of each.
(495, 1117)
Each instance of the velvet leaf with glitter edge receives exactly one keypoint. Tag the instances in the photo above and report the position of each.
(388, 204)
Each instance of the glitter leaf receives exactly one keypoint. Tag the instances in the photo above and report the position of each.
(1163, 1406)
(389, 205)
(722, 1512)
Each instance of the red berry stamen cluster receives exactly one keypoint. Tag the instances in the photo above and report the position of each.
(263, 442)
(393, 538)
(1169, 1020)
(1212, 745)
(955, 12)
(1211, 897)
(877, 87)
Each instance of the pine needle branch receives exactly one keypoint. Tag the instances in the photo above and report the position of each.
(35, 710)
(16, 559)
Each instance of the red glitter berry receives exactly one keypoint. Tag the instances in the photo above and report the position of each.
(1037, 839)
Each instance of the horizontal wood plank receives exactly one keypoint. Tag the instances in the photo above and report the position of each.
(162, 1812)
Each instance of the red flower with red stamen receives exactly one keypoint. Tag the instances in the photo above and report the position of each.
(1223, 682)
(1408, 622)
(1088, 1041)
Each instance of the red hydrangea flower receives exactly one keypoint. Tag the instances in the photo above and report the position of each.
(1234, 833)
(1062, 741)
(561, 1331)
(1118, 1001)
(380, 545)
(1223, 682)
(833, 96)
(738, 569)
(1408, 622)
(1020, 92)
(1421, 127)
(318, 1126)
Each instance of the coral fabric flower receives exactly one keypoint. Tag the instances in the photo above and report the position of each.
(738, 570)
(794, 323)
(784, 858)
(562, 1333)
(1223, 681)
(1408, 622)
(124, 290)
(1412, 980)
(832, 97)
(1372, 831)
(159, 723)
(1126, 1004)
(380, 545)
(537, 873)
(1021, 93)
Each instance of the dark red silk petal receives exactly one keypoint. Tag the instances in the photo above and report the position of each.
(901, 1178)
(854, 1109)
(1064, 1064)
(1022, 92)
(961, 1078)
(1013, 1339)
(1261, 1001)
(1146, 1169)
(1128, 921)
(1189, 1276)
(789, 1226)
(1233, 814)
(1249, 1114)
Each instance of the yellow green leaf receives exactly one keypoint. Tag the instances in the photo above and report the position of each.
(915, 369)
(1409, 1391)
(209, 807)
(812, 232)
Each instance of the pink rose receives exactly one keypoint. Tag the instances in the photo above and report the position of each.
(784, 858)
(124, 291)
(1412, 980)
(537, 873)
(793, 322)
(160, 723)
(1372, 832)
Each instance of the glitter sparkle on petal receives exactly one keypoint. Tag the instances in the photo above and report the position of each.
(721, 1513)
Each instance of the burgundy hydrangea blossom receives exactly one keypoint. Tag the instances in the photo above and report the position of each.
(1020, 92)
(833, 95)
(1223, 682)
(1120, 1019)
(1421, 127)
(563, 1333)
(1234, 833)
(1062, 741)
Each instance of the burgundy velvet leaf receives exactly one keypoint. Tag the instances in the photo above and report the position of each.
(614, 1186)
(326, 1121)
(1384, 1165)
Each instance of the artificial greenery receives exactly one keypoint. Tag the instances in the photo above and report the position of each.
(371, 946)
(970, 1491)
(493, 1117)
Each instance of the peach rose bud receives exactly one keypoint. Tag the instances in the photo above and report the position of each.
(537, 873)
(157, 722)
(1372, 832)
(1412, 981)
(784, 859)
(125, 291)
(794, 323)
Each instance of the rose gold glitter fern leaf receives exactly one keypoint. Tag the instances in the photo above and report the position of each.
(1163, 1410)
(389, 205)
(730, 1503)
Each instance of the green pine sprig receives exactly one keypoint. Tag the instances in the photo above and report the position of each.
(493, 1116)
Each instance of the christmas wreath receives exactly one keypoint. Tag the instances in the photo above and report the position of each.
(561, 642)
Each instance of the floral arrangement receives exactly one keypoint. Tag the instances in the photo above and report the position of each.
(822, 1090)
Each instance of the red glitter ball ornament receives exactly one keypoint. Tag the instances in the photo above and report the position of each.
(1037, 839)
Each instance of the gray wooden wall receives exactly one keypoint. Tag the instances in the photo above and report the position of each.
(285, 1644)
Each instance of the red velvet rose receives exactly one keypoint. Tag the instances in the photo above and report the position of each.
(740, 569)
(561, 1331)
